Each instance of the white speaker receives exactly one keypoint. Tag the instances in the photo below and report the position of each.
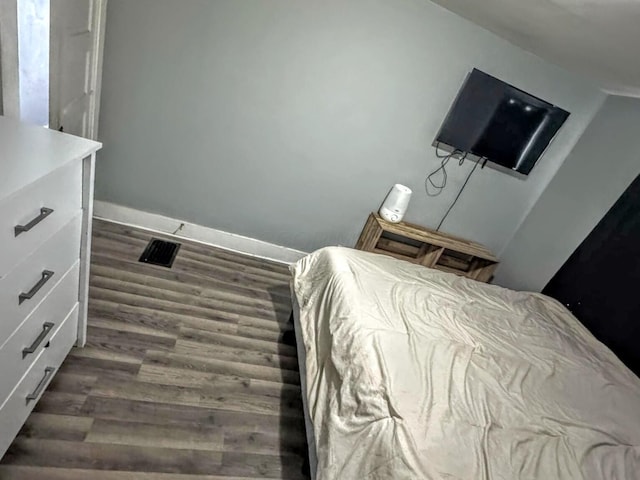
(395, 205)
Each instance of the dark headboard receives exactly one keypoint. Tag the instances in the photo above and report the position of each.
(600, 283)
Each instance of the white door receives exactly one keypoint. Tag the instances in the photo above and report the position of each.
(9, 79)
(77, 42)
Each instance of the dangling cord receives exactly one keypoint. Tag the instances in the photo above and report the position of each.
(442, 168)
(459, 193)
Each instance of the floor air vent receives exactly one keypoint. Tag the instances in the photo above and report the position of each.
(160, 252)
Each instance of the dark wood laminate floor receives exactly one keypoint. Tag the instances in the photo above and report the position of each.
(188, 373)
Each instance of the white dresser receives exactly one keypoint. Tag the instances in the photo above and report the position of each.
(46, 205)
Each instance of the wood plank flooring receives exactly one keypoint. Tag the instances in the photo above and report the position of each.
(188, 373)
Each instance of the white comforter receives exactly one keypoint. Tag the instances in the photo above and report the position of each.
(417, 374)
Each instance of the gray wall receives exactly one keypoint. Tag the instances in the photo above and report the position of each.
(289, 120)
(601, 166)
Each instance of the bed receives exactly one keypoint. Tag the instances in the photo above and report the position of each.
(413, 373)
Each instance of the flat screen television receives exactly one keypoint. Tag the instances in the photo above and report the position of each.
(499, 122)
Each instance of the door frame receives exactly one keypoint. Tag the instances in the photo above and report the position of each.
(100, 22)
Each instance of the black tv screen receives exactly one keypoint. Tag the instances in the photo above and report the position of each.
(494, 120)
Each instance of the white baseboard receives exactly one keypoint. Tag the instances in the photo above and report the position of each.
(197, 233)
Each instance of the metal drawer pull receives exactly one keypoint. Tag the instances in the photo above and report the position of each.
(46, 328)
(46, 275)
(44, 213)
(48, 373)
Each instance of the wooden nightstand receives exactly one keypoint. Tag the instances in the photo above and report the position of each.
(423, 246)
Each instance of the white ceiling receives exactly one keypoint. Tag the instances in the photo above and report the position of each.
(599, 38)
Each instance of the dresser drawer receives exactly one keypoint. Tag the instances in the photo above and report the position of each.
(22, 348)
(25, 395)
(60, 191)
(36, 276)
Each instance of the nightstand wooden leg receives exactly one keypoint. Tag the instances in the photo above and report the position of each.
(370, 235)
(429, 254)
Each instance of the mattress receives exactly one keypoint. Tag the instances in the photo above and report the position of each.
(413, 373)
